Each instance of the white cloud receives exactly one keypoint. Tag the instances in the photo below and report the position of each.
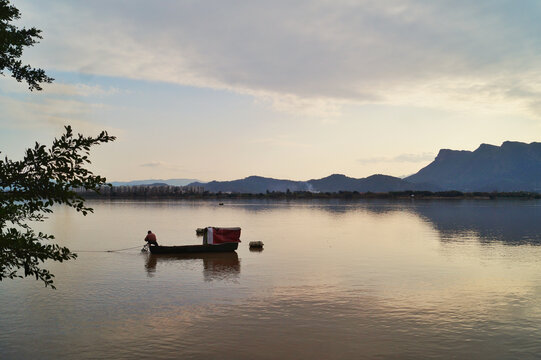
(9, 86)
(82, 90)
(50, 112)
(310, 56)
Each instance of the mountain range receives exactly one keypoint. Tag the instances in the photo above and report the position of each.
(175, 182)
(513, 166)
(332, 183)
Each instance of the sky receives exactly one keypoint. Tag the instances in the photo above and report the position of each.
(221, 90)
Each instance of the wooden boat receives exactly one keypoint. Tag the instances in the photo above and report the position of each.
(185, 249)
(215, 240)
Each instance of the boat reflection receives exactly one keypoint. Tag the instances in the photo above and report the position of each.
(216, 266)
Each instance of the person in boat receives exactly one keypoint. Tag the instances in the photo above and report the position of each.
(151, 239)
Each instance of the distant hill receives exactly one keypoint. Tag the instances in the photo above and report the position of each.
(513, 166)
(253, 185)
(332, 183)
(175, 182)
(374, 183)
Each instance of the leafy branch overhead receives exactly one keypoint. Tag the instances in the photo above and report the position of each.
(12, 42)
(28, 189)
(44, 177)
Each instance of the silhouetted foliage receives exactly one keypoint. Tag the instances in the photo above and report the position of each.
(12, 42)
(28, 189)
(113, 193)
(44, 177)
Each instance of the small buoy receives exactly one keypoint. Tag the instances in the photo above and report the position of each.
(256, 244)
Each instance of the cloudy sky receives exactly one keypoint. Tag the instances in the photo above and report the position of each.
(286, 89)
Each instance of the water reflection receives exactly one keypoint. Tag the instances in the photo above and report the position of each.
(216, 266)
(337, 280)
(510, 222)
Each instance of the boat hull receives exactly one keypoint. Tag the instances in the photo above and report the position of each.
(191, 249)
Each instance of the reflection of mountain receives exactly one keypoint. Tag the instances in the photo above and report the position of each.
(512, 222)
(216, 266)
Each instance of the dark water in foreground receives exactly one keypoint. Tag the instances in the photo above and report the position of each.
(336, 280)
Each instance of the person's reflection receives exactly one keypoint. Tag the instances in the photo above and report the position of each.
(150, 264)
(216, 266)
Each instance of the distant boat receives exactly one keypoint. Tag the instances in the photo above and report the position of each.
(256, 244)
(215, 240)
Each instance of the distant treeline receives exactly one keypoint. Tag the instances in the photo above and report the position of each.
(319, 195)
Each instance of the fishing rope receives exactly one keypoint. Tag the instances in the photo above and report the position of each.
(109, 251)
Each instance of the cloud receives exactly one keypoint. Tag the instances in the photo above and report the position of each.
(62, 89)
(153, 164)
(310, 56)
(409, 158)
(49, 112)
(82, 90)
(65, 104)
(161, 165)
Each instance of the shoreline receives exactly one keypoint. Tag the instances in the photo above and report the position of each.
(343, 195)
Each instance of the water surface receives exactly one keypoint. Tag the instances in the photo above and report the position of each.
(336, 280)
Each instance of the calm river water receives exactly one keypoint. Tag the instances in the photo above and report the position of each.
(336, 280)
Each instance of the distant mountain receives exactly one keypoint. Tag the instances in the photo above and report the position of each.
(513, 166)
(374, 183)
(253, 185)
(332, 183)
(175, 182)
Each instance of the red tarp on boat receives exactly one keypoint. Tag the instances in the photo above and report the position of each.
(217, 235)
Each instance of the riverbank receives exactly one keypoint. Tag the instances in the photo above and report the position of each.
(312, 195)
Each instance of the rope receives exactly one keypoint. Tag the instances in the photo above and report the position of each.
(109, 251)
